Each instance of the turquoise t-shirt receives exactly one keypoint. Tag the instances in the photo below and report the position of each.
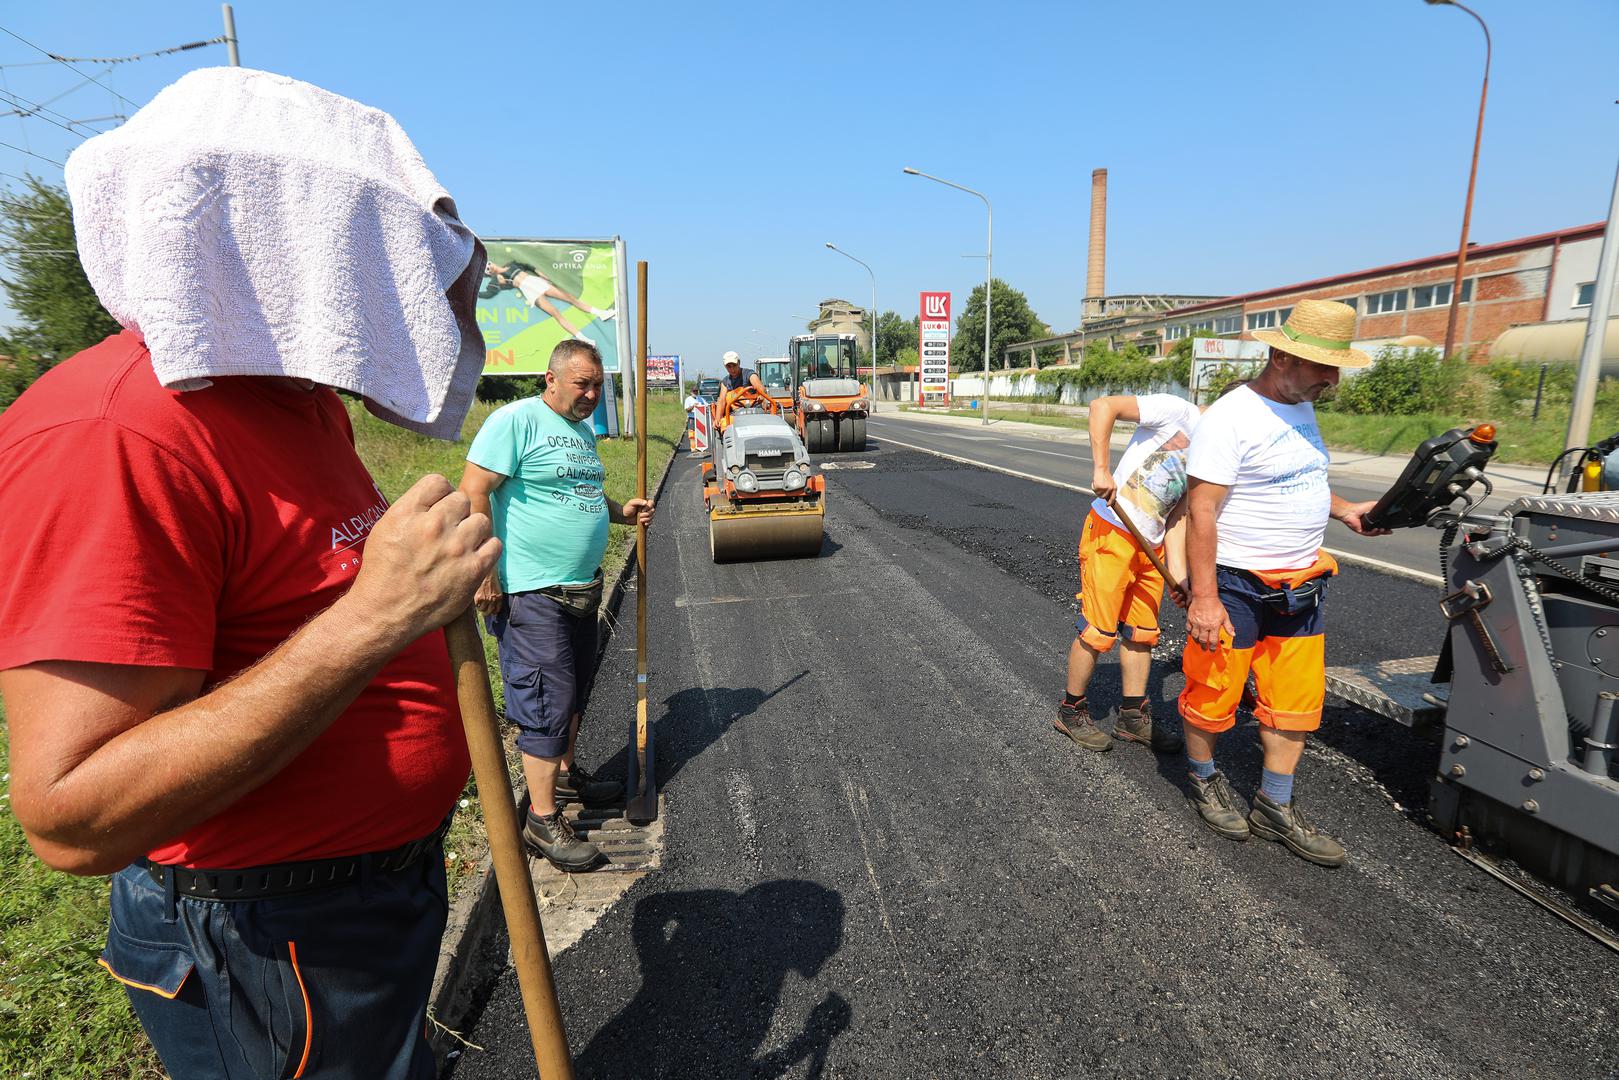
(550, 513)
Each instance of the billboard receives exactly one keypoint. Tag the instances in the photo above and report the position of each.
(663, 372)
(537, 292)
(933, 367)
(1209, 355)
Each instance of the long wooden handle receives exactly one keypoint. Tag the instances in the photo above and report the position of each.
(1146, 548)
(529, 954)
(641, 804)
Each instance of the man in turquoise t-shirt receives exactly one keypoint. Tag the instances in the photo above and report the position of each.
(534, 470)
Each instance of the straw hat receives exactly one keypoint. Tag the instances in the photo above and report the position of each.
(1318, 331)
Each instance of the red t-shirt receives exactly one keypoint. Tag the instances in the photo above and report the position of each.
(200, 530)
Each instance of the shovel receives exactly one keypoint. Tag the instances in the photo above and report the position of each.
(642, 807)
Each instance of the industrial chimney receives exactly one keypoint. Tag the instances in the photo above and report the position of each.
(1095, 282)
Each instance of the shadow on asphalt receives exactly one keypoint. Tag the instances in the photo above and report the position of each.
(692, 720)
(713, 963)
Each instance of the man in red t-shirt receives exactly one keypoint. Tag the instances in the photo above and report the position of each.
(221, 651)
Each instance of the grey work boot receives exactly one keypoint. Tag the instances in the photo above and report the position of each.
(553, 837)
(1287, 825)
(1213, 802)
(576, 785)
(1135, 725)
(1074, 721)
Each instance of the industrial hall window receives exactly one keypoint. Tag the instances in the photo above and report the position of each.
(1228, 324)
(1380, 303)
(1262, 320)
(1584, 293)
(1426, 296)
(1174, 333)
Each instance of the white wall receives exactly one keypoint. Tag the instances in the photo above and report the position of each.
(1576, 262)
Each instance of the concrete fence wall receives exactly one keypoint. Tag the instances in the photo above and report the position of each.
(1023, 385)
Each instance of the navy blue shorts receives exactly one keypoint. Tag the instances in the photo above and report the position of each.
(547, 667)
(330, 984)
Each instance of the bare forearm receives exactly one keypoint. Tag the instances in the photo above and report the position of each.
(1175, 547)
(1101, 429)
(1200, 551)
(165, 775)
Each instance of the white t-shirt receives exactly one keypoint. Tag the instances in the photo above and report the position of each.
(1272, 458)
(1152, 472)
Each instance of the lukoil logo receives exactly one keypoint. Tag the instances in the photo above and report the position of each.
(936, 306)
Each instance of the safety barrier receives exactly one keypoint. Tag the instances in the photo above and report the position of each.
(700, 429)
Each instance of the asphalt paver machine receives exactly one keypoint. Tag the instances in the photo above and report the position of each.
(1531, 659)
(832, 402)
(764, 498)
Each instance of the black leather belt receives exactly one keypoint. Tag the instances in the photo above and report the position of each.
(291, 878)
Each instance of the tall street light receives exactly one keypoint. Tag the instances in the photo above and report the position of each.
(873, 327)
(1472, 179)
(989, 267)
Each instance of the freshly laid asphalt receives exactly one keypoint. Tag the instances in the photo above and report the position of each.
(883, 862)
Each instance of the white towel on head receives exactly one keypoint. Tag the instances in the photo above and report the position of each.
(245, 223)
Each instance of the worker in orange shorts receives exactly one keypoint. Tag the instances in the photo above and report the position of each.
(1258, 505)
(1120, 589)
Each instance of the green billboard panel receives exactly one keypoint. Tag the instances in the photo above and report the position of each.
(537, 293)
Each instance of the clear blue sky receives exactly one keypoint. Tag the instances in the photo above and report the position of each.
(1247, 143)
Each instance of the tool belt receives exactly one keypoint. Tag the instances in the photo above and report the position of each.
(1289, 599)
(291, 878)
(580, 601)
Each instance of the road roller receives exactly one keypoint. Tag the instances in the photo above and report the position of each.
(832, 402)
(764, 498)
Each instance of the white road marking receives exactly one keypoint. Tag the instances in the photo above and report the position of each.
(1343, 556)
(1032, 450)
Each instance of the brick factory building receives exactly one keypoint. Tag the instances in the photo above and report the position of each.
(1538, 284)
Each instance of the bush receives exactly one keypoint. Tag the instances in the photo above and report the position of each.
(1403, 383)
(1101, 368)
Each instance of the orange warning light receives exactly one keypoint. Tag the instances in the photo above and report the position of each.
(1483, 433)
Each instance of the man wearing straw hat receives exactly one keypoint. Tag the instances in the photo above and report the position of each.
(1258, 509)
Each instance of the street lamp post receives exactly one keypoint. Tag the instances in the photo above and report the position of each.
(1472, 179)
(873, 276)
(989, 267)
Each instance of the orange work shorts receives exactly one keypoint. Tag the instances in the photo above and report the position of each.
(1119, 589)
(1283, 648)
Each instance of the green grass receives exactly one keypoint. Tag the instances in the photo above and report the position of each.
(1522, 441)
(1028, 414)
(61, 1016)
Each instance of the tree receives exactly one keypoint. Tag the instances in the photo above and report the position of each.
(1012, 321)
(895, 335)
(57, 311)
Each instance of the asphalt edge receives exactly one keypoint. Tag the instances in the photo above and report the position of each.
(468, 958)
(1366, 561)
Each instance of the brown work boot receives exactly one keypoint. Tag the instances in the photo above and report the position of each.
(576, 785)
(1074, 721)
(1286, 824)
(1135, 725)
(1214, 803)
(553, 837)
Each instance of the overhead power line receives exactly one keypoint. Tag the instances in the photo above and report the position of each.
(57, 59)
(30, 153)
(138, 56)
